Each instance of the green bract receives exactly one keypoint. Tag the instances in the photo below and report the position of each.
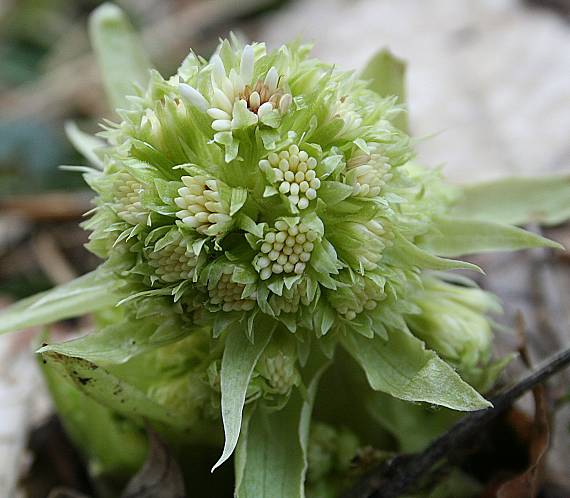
(260, 215)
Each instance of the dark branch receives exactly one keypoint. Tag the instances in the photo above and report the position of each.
(392, 479)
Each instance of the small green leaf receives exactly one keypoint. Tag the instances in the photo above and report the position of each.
(334, 192)
(405, 369)
(239, 196)
(413, 425)
(85, 294)
(238, 362)
(118, 343)
(120, 54)
(387, 77)
(517, 200)
(242, 116)
(456, 237)
(416, 256)
(84, 143)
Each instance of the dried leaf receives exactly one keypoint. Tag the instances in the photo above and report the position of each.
(159, 477)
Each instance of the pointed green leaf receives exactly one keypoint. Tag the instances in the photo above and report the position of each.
(113, 392)
(405, 369)
(416, 256)
(84, 143)
(455, 237)
(517, 200)
(85, 294)
(387, 76)
(120, 54)
(238, 362)
(271, 458)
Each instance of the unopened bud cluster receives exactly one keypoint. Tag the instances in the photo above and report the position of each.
(128, 197)
(364, 296)
(287, 249)
(227, 294)
(174, 262)
(280, 373)
(201, 205)
(295, 173)
(367, 173)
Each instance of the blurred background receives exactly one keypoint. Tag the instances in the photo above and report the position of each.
(488, 91)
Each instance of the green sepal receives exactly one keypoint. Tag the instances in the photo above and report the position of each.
(334, 192)
(87, 145)
(416, 256)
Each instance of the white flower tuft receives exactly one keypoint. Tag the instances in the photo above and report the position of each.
(202, 207)
(228, 294)
(295, 172)
(174, 262)
(128, 199)
(367, 173)
(287, 249)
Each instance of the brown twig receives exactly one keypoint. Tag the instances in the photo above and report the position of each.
(392, 479)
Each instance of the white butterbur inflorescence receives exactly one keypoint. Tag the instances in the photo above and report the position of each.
(285, 249)
(265, 202)
(128, 192)
(175, 261)
(367, 173)
(237, 92)
(228, 294)
(295, 175)
(202, 206)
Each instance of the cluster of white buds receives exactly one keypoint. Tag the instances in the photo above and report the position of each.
(228, 294)
(280, 373)
(374, 239)
(287, 249)
(367, 173)
(202, 207)
(291, 298)
(295, 172)
(259, 98)
(346, 110)
(128, 192)
(175, 261)
(366, 297)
